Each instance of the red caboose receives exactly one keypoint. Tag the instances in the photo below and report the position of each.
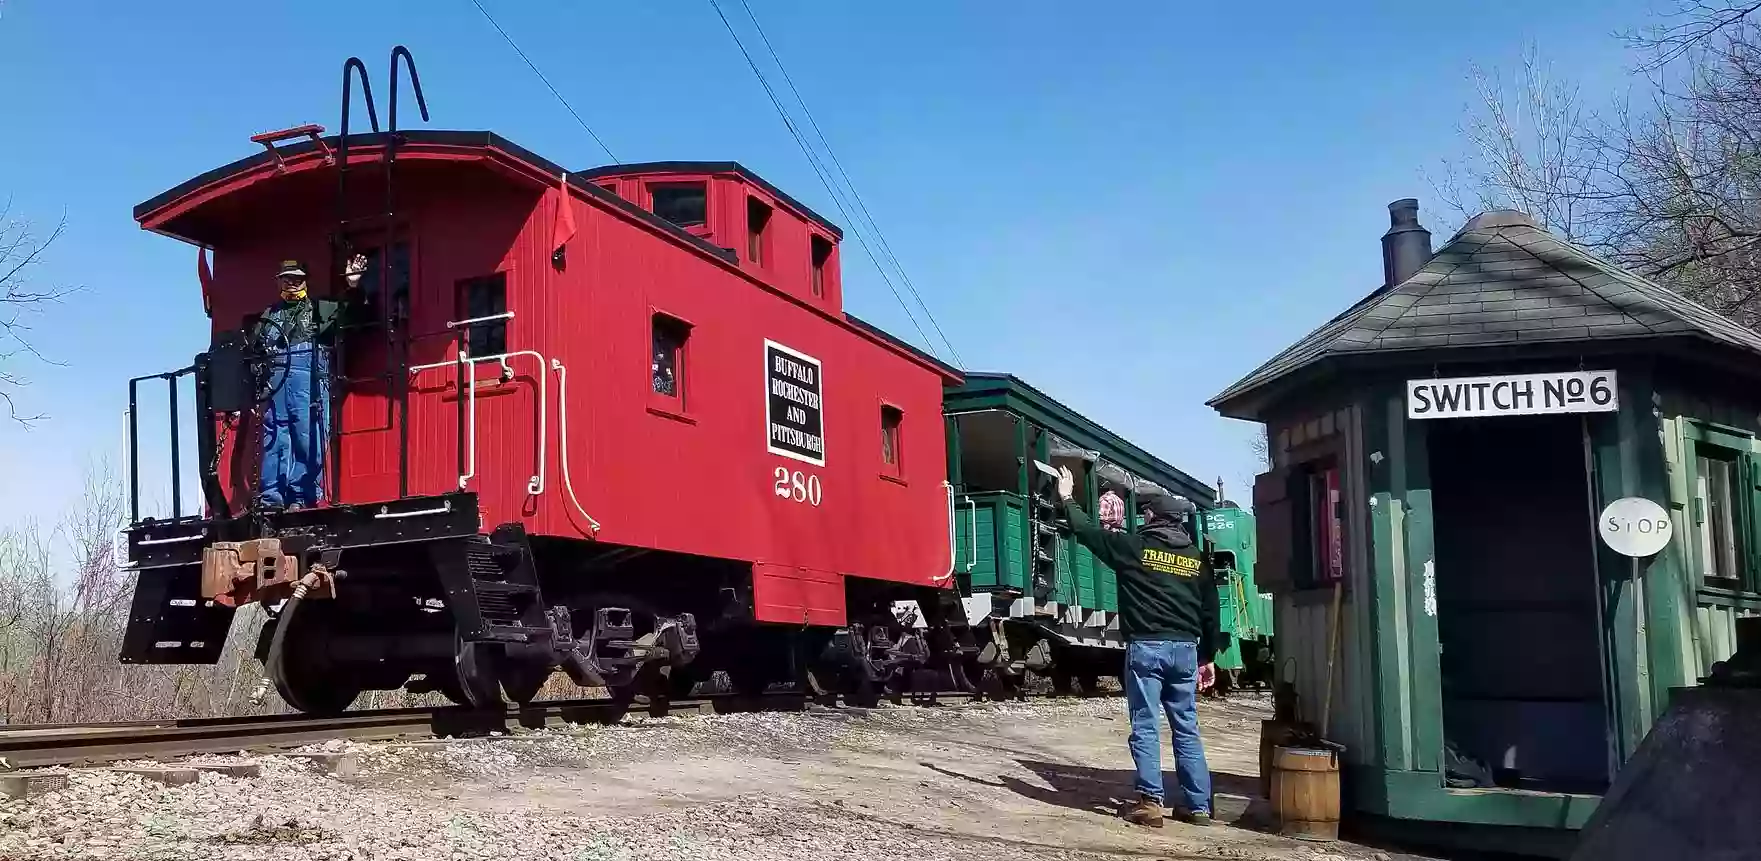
(605, 420)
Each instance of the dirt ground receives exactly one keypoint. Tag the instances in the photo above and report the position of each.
(1034, 780)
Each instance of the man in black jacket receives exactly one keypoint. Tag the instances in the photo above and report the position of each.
(1168, 615)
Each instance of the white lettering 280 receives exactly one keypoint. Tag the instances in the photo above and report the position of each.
(797, 486)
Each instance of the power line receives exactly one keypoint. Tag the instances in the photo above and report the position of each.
(824, 175)
(553, 91)
(880, 238)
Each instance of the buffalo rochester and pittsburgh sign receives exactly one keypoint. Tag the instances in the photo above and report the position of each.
(1515, 395)
(794, 413)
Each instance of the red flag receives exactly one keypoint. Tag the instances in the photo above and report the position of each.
(565, 216)
(206, 278)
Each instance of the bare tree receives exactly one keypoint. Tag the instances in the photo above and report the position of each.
(1666, 183)
(1530, 146)
(21, 249)
(1688, 26)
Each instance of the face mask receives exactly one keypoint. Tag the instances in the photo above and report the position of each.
(293, 292)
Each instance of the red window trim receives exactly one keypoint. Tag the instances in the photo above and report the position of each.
(677, 406)
(894, 471)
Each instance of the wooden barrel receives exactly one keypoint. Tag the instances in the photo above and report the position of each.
(1305, 792)
(1273, 733)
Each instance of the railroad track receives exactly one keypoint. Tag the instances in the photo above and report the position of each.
(37, 746)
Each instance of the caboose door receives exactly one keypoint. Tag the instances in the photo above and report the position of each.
(370, 451)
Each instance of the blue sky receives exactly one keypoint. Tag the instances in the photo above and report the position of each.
(1128, 204)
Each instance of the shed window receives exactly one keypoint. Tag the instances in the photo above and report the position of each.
(890, 420)
(683, 203)
(1725, 516)
(1326, 563)
(479, 298)
(757, 219)
(668, 366)
(822, 252)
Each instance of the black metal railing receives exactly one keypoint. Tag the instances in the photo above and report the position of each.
(170, 378)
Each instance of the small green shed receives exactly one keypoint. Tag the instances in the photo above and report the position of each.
(1443, 451)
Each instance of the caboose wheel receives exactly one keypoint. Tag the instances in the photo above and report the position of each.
(475, 664)
(522, 681)
(304, 677)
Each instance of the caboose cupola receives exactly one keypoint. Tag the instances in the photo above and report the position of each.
(768, 234)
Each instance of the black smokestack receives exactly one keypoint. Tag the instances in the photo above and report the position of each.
(1406, 247)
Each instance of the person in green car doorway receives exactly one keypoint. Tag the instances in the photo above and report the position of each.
(1167, 613)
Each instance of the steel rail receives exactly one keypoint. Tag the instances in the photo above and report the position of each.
(42, 745)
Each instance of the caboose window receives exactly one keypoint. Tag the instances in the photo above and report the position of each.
(683, 203)
(891, 418)
(479, 298)
(822, 252)
(668, 366)
(757, 219)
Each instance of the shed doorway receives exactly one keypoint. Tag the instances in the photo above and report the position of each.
(1518, 620)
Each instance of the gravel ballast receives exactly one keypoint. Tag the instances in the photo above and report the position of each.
(1002, 781)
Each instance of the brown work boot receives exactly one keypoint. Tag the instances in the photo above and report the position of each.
(1144, 811)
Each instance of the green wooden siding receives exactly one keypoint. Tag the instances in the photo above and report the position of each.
(1703, 616)
(1015, 571)
(976, 544)
(999, 557)
(1085, 578)
(1064, 585)
(997, 554)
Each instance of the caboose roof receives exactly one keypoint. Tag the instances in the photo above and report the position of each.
(202, 208)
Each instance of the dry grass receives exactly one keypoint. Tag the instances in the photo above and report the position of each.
(64, 604)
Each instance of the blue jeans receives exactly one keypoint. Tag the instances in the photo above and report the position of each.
(1166, 672)
(293, 444)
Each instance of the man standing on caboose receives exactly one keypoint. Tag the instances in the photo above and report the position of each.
(296, 336)
(1167, 613)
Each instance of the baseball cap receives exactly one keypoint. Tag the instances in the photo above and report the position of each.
(1171, 507)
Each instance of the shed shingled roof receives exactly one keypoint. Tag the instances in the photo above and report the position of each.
(1503, 280)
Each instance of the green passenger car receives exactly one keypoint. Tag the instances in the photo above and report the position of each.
(1023, 577)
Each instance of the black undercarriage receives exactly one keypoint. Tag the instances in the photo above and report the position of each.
(410, 594)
